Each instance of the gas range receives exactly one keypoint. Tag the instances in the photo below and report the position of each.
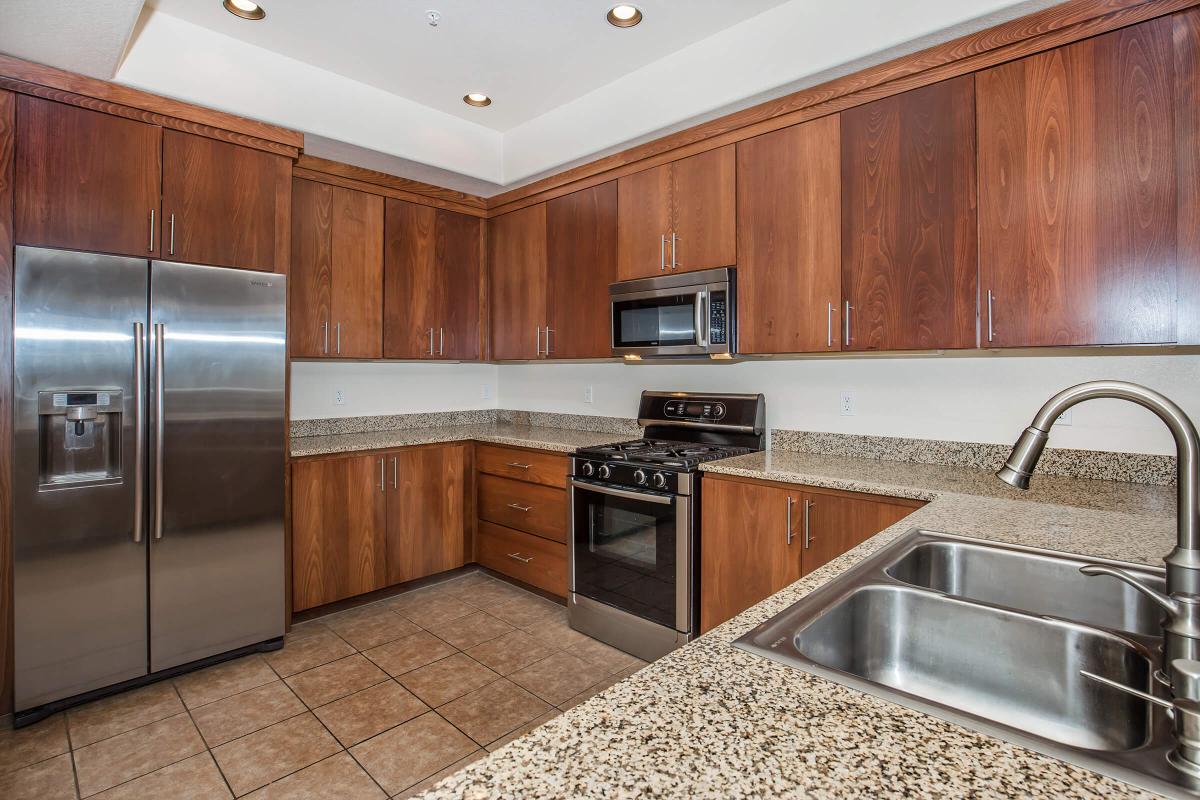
(653, 463)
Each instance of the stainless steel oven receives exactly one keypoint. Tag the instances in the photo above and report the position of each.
(686, 314)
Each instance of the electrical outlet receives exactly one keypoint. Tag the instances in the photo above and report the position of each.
(1065, 417)
(339, 397)
(847, 404)
(589, 394)
(485, 391)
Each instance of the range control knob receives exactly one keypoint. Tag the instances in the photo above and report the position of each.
(639, 475)
(588, 468)
(660, 479)
(605, 472)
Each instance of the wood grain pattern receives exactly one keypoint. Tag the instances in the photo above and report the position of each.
(310, 278)
(1187, 148)
(908, 220)
(225, 202)
(581, 258)
(838, 523)
(540, 510)
(531, 466)
(458, 274)
(517, 269)
(789, 239)
(1077, 160)
(357, 297)
(386, 191)
(643, 219)
(703, 210)
(8, 125)
(425, 191)
(498, 548)
(411, 302)
(85, 180)
(425, 519)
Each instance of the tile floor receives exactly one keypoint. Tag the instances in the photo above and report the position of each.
(379, 701)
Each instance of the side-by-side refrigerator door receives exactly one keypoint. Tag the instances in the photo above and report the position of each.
(217, 438)
(79, 549)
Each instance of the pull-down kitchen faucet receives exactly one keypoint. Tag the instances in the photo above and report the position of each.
(1181, 603)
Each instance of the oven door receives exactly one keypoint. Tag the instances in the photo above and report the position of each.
(632, 550)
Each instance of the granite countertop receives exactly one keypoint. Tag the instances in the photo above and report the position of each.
(560, 440)
(712, 721)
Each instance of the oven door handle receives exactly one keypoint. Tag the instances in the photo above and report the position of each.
(662, 500)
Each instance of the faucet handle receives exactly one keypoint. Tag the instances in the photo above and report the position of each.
(1185, 679)
(1169, 604)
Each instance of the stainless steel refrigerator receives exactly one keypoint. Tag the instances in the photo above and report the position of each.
(148, 474)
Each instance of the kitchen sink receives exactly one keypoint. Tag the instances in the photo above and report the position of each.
(995, 637)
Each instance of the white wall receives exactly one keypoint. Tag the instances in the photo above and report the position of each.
(371, 388)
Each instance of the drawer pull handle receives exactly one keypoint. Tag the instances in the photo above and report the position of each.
(519, 465)
(519, 507)
(518, 557)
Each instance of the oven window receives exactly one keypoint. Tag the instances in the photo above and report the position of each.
(655, 321)
(625, 554)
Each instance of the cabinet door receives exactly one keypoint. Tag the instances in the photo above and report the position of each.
(749, 546)
(789, 239)
(581, 236)
(830, 525)
(517, 264)
(703, 200)
(643, 223)
(909, 259)
(229, 204)
(1077, 160)
(309, 279)
(410, 282)
(458, 281)
(338, 545)
(357, 274)
(425, 523)
(85, 180)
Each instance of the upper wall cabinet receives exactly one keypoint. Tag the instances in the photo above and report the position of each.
(517, 264)
(789, 239)
(909, 260)
(86, 180)
(581, 261)
(1078, 153)
(678, 217)
(224, 204)
(337, 272)
(431, 282)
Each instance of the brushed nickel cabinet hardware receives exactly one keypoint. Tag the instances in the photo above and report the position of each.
(548, 348)
(339, 338)
(518, 465)
(791, 501)
(151, 248)
(674, 247)
(520, 507)
(325, 328)
(990, 298)
(517, 556)
(431, 341)
(662, 253)
(171, 247)
(382, 480)
(846, 323)
(829, 324)
(808, 537)
(395, 472)
(441, 341)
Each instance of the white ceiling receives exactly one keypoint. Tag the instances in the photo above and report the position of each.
(88, 38)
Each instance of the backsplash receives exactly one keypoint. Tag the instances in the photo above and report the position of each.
(618, 426)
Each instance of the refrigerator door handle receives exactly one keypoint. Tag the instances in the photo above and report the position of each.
(139, 427)
(160, 332)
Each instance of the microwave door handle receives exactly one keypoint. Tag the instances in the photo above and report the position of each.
(702, 318)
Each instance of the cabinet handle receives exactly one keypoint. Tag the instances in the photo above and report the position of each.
(548, 348)
(339, 338)
(790, 502)
(171, 248)
(537, 346)
(518, 465)
(808, 537)
(517, 556)
(382, 482)
(829, 325)
(520, 507)
(431, 341)
(990, 298)
(395, 472)
(662, 253)
(674, 242)
(151, 230)
(846, 324)
(441, 341)
(325, 337)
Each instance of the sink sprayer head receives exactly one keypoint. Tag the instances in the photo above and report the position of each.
(1023, 458)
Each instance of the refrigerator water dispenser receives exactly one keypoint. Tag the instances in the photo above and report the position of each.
(79, 438)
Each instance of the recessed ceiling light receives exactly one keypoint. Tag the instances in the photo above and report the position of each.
(624, 16)
(477, 99)
(244, 9)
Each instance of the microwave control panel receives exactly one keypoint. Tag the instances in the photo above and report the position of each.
(718, 325)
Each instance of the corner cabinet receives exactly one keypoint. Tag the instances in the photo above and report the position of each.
(517, 262)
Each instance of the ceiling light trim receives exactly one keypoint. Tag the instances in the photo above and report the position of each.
(477, 99)
(624, 16)
(244, 9)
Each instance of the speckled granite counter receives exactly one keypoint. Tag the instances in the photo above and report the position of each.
(712, 721)
(556, 439)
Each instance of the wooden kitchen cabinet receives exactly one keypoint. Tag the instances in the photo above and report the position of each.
(678, 217)
(86, 180)
(425, 519)
(581, 262)
(909, 261)
(338, 529)
(1077, 209)
(789, 239)
(431, 283)
(840, 522)
(517, 264)
(540, 510)
(335, 302)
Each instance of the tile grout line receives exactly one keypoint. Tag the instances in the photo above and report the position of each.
(204, 741)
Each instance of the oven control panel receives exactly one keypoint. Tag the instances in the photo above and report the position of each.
(694, 409)
(632, 475)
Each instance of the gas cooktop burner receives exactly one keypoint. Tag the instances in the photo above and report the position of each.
(662, 452)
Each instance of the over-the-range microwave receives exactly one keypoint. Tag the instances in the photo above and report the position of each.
(685, 314)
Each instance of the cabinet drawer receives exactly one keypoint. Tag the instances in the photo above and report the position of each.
(524, 506)
(548, 469)
(527, 558)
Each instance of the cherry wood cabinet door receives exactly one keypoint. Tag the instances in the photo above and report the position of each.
(789, 239)
(830, 525)
(338, 529)
(411, 304)
(425, 520)
(357, 274)
(224, 204)
(581, 256)
(1077, 168)
(457, 257)
(703, 201)
(644, 223)
(749, 546)
(86, 180)
(909, 262)
(517, 264)
(310, 277)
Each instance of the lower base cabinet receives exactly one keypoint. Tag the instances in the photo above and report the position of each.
(758, 537)
(528, 558)
(425, 512)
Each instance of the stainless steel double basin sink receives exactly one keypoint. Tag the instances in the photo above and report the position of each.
(995, 637)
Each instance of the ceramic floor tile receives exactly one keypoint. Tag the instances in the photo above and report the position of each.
(122, 712)
(438, 777)
(268, 755)
(52, 779)
(404, 655)
(510, 652)
(526, 611)
(195, 778)
(558, 677)
(524, 729)
(306, 649)
(338, 777)
(130, 755)
(247, 712)
(467, 586)
(328, 682)
(494, 710)
(369, 627)
(218, 682)
(555, 632)
(492, 594)
(429, 607)
(602, 656)
(29, 745)
(360, 716)
(470, 630)
(410, 753)
(442, 681)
